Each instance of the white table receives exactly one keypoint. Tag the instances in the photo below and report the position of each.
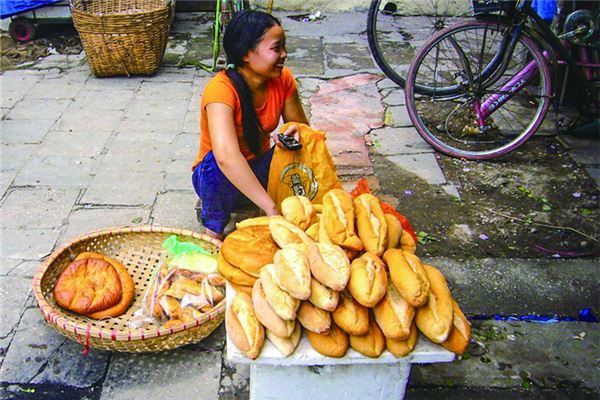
(306, 374)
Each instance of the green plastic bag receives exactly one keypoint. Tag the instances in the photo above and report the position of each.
(189, 256)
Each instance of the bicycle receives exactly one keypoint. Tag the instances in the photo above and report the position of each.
(496, 77)
(396, 34)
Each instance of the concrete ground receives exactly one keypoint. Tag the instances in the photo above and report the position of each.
(81, 153)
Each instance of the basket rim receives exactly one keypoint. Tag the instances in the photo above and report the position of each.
(167, 5)
(55, 318)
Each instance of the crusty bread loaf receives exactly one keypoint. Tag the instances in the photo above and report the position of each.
(329, 265)
(263, 220)
(407, 243)
(286, 345)
(394, 231)
(250, 248)
(337, 221)
(408, 275)
(243, 327)
(241, 288)
(401, 348)
(371, 344)
(267, 316)
(368, 279)
(127, 287)
(460, 334)
(434, 319)
(232, 273)
(292, 272)
(331, 344)
(322, 296)
(351, 316)
(312, 318)
(313, 231)
(394, 315)
(285, 233)
(298, 210)
(371, 224)
(284, 305)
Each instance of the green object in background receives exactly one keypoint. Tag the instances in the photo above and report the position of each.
(189, 256)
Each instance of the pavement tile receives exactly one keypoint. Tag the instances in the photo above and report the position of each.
(178, 175)
(57, 171)
(83, 220)
(37, 109)
(31, 244)
(305, 67)
(40, 207)
(113, 83)
(423, 165)
(153, 89)
(6, 179)
(20, 268)
(390, 140)
(125, 188)
(176, 209)
(68, 144)
(139, 156)
(235, 380)
(188, 374)
(399, 116)
(155, 109)
(191, 123)
(52, 89)
(130, 126)
(24, 131)
(88, 99)
(14, 292)
(350, 56)
(395, 97)
(89, 120)
(39, 354)
(186, 147)
(15, 155)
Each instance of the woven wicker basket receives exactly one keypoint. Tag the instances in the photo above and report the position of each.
(140, 250)
(123, 37)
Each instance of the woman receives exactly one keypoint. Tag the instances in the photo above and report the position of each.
(240, 107)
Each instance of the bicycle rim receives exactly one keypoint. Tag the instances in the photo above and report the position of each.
(396, 31)
(450, 123)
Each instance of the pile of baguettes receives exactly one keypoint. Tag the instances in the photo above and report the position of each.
(347, 274)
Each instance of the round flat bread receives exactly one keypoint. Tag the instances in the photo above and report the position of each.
(87, 286)
(250, 248)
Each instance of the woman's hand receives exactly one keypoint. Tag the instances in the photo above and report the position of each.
(291, 130)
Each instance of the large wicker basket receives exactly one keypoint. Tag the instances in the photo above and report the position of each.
(123, 37)
(140, 250)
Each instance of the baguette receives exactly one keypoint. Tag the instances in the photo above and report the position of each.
(372, 344)
(322, 296)
(286, 345)
(284, 305)
(298, 210)
(460, 334)
(351, 316)
(408, 275)
(401, 348)
(394, 231)
(267, 316)
(314, 319)
(368, 279)
(407, 243)
(435, 318)
(371, 224)
(394, 315)
(337, 221)
(331, 344)
(313, 231)
(329, 265)
(285, 233)
(292, 272)
(243, 327)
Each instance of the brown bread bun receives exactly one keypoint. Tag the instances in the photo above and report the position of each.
(285, 233)
(394, 231)
(243, 327)
(232, 273)
(435, 318)
(331, 344)
(401, 348)
(371, 224)
(394, 315)
(337, 221)
(322, 296)
(282, 302)
(250, 248)
(298, 210)
(351, 316)
(87, 286)
(408, 275)
(460, 334)
(329, 265)
(127, 286)
(267, 316)
(372, 344)
(314, 319)
(292, 272)
(313, 231)
(407, 243)
(368, 279)
(286, 345)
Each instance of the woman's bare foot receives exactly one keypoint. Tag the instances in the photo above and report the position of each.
(212, 234)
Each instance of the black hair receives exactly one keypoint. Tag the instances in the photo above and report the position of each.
(243, 33)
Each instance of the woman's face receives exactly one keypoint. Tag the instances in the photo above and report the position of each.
(267, 58)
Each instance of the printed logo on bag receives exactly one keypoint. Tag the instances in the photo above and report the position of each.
(300, 178)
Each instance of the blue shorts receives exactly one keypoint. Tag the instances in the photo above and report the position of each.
(219, 196)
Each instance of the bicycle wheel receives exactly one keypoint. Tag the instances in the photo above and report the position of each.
(395, 35)
(493, 111)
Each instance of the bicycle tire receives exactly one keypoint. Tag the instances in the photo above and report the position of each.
(393, 51)
(433, 117)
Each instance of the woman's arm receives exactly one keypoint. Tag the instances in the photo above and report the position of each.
(226, 149)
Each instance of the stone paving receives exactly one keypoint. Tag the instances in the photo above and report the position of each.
(81, 153)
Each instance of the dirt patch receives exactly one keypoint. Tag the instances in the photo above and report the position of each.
(56, 40)
(534, 203)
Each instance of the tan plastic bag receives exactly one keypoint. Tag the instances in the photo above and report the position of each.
(306, 172)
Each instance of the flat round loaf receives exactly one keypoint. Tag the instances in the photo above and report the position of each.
(87, 286)
(250, 248)
(232, 273)
(331, 344)
(127, 286)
